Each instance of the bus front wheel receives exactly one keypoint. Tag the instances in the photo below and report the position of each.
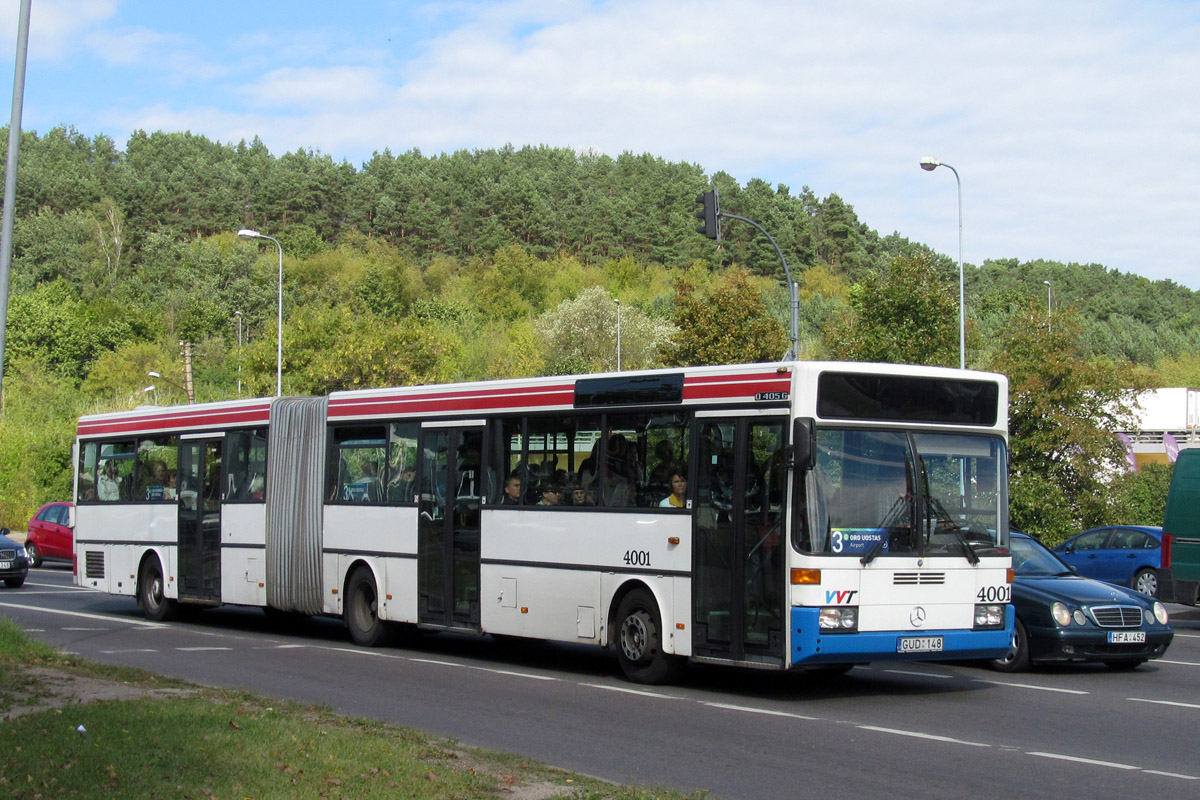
(639, 641)
(362, 610)
(152, 593)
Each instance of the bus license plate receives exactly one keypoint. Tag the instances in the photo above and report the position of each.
(919, 644)
(1126, 637)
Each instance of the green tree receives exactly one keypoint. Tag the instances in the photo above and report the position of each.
(904, 315)
(1140, 498)
(37, 427)
(1064, 412)
(581, 335)
(726, 324)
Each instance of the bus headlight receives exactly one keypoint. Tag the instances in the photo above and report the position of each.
(1160, 613)
(843, 619)
(1061, 614)
(989, 616)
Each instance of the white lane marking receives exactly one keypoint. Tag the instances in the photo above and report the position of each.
(200, 649)
(1031, 686)
(1164, 702)
(136, 650)
(435, 662)
(26, 593)
(83, 629)
(626, 690)
(1179, 635)
(918, 674)
(752, 710)
(919, 735)
(1178, 663)
(145, 623)
(1171, 774)
(516, 674)
(1078, 760)
(34, 630)
(282, 647)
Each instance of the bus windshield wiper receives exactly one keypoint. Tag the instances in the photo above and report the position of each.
(968, 549)
(874, 551)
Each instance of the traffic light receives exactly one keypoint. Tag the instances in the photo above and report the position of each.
(711, 214)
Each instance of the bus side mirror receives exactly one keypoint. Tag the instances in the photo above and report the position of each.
(804, 443)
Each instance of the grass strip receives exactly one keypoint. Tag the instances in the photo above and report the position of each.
(210, 744)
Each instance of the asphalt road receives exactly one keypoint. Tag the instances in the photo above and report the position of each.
(925, 730)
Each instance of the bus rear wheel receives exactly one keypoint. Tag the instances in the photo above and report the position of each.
(639, 641)
(152, 593)
(362, 610)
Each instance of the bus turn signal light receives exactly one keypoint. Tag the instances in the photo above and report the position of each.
(811, 577)
(1011, 574)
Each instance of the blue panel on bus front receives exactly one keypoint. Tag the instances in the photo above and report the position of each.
(810, 645)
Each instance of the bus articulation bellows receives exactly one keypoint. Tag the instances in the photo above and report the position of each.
(793, 515)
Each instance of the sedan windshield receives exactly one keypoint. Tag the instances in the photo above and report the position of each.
(891, 492)
(1031, 559)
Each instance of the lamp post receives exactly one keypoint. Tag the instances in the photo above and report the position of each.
(618, 302)
(246, 233)
(238, 316)
(165, 379)
(929, 164)
(1049, 306)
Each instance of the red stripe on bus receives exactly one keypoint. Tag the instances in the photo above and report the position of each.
(745, 376)
(176, 421)
(445, 403)
(735, 391)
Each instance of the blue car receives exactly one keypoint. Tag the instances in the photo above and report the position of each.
(1127, 555)
(1064, 617)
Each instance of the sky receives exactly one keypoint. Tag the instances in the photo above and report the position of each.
(1073, 125)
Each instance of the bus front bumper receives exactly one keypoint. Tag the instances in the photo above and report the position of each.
(811, 645)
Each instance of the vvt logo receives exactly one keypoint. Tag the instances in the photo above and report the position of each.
(838, 596)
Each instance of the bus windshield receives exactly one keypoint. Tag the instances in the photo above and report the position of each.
(886, 492)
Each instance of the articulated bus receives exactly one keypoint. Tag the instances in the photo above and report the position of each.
(776, 516)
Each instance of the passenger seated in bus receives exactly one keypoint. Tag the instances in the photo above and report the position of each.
(660, 477)
(678, 496)
(157, 484)
(367, 489)
(110, 486)
(512, 490)
(403, 486)
(551, 495)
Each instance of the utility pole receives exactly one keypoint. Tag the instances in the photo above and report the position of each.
(187, 371)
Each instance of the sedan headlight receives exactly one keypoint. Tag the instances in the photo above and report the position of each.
(20, 550)
(1160, 613)
(838, 618)
(1061, 614)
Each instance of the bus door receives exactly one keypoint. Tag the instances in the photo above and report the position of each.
(738, 560)
(451, 487)
(199, 496)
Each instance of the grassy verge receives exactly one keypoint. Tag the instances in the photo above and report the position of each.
(210, 744)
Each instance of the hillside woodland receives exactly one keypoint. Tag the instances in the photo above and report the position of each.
(501, 263)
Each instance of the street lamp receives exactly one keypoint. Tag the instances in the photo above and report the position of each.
(618, 302)
(165, 379)
(1049, 306)
(929, 164)
(246, 233)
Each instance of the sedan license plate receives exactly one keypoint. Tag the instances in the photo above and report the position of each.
(5, 565)
(919, 644)
(1126, 637)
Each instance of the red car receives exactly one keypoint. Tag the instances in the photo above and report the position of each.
(51, 533)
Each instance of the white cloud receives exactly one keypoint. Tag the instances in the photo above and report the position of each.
(1072, 124)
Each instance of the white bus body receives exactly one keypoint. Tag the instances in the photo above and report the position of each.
(834, 513)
